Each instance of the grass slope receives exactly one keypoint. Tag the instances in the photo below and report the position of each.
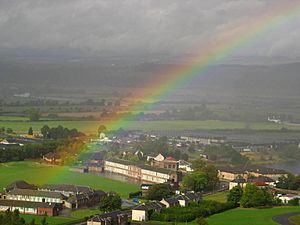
(37, 173)
(241, 216)
(219, 197)
(295, 219)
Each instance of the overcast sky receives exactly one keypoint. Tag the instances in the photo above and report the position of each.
(136, 27)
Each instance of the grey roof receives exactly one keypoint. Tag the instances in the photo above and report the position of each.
(67, 188)
(37, 193)
(193, 196)
(239, 180)
(171, 200)
(14, 203)
(142, 166)
(104, 216)
(20, 184)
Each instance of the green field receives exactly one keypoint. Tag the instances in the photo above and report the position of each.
(295, 219)
(241, 216)
(39, 174)
(219, 197)
(21, 125)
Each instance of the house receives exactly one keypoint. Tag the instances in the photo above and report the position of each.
(183, 200)
(186, 198)
(27, 207)
(231, 173)
(239, 181)
(66, 189)
(288, 197)
(76, 196)
(146, 173)
(141, 212)
(170, 202)
(112, 218)
(34, 196)
(84, 199)
(97, 157)
(185, 166)
(192, 196)
(262, 181)
(169, 163)
(159, 157)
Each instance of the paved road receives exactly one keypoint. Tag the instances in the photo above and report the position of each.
(284, 218)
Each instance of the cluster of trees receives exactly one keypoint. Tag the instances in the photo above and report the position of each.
(159, 191)
(191, 212)
(110, 202)
(33, 114)
(201, 112)
(4, 130)
(291, 182)
(251, 196)
(149, 146)
(28, 151)
(224, 153)
(59, 132)
(204, 177)
(66, 149)
(13, 218)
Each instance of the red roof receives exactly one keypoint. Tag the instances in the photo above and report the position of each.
(170, 158)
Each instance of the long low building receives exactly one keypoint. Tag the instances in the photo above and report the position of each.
(18, 195)
(27, 207)
(34, 196)
(141, 172)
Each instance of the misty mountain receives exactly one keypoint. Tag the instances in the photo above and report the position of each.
(276, 79)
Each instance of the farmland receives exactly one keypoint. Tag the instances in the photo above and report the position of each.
(21, 125)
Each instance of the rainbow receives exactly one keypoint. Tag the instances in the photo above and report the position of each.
(228, 43)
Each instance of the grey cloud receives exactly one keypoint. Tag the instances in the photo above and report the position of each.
(132, 26)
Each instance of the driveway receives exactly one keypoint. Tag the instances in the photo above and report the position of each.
(284, 218)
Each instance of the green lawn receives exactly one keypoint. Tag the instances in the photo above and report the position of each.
(91, 126)
(241, 216)
(57, 220)
(39, 174)
(295, 219)
(219, 197)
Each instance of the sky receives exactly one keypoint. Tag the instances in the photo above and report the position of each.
(136, 27)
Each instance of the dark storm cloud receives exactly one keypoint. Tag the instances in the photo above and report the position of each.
(134, 26)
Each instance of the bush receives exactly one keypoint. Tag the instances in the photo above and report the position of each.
(191, 212)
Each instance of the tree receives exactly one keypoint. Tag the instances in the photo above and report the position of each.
(30, 131)
(45, 130)
(9, 131)
(33, 114)
(195, 181)
(159, 191)
(235, 195)
(199, 165)
(101, 129)
(201, 221)
(110, 202)
(255, 197)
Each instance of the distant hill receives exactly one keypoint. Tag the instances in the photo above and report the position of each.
(271, 80)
